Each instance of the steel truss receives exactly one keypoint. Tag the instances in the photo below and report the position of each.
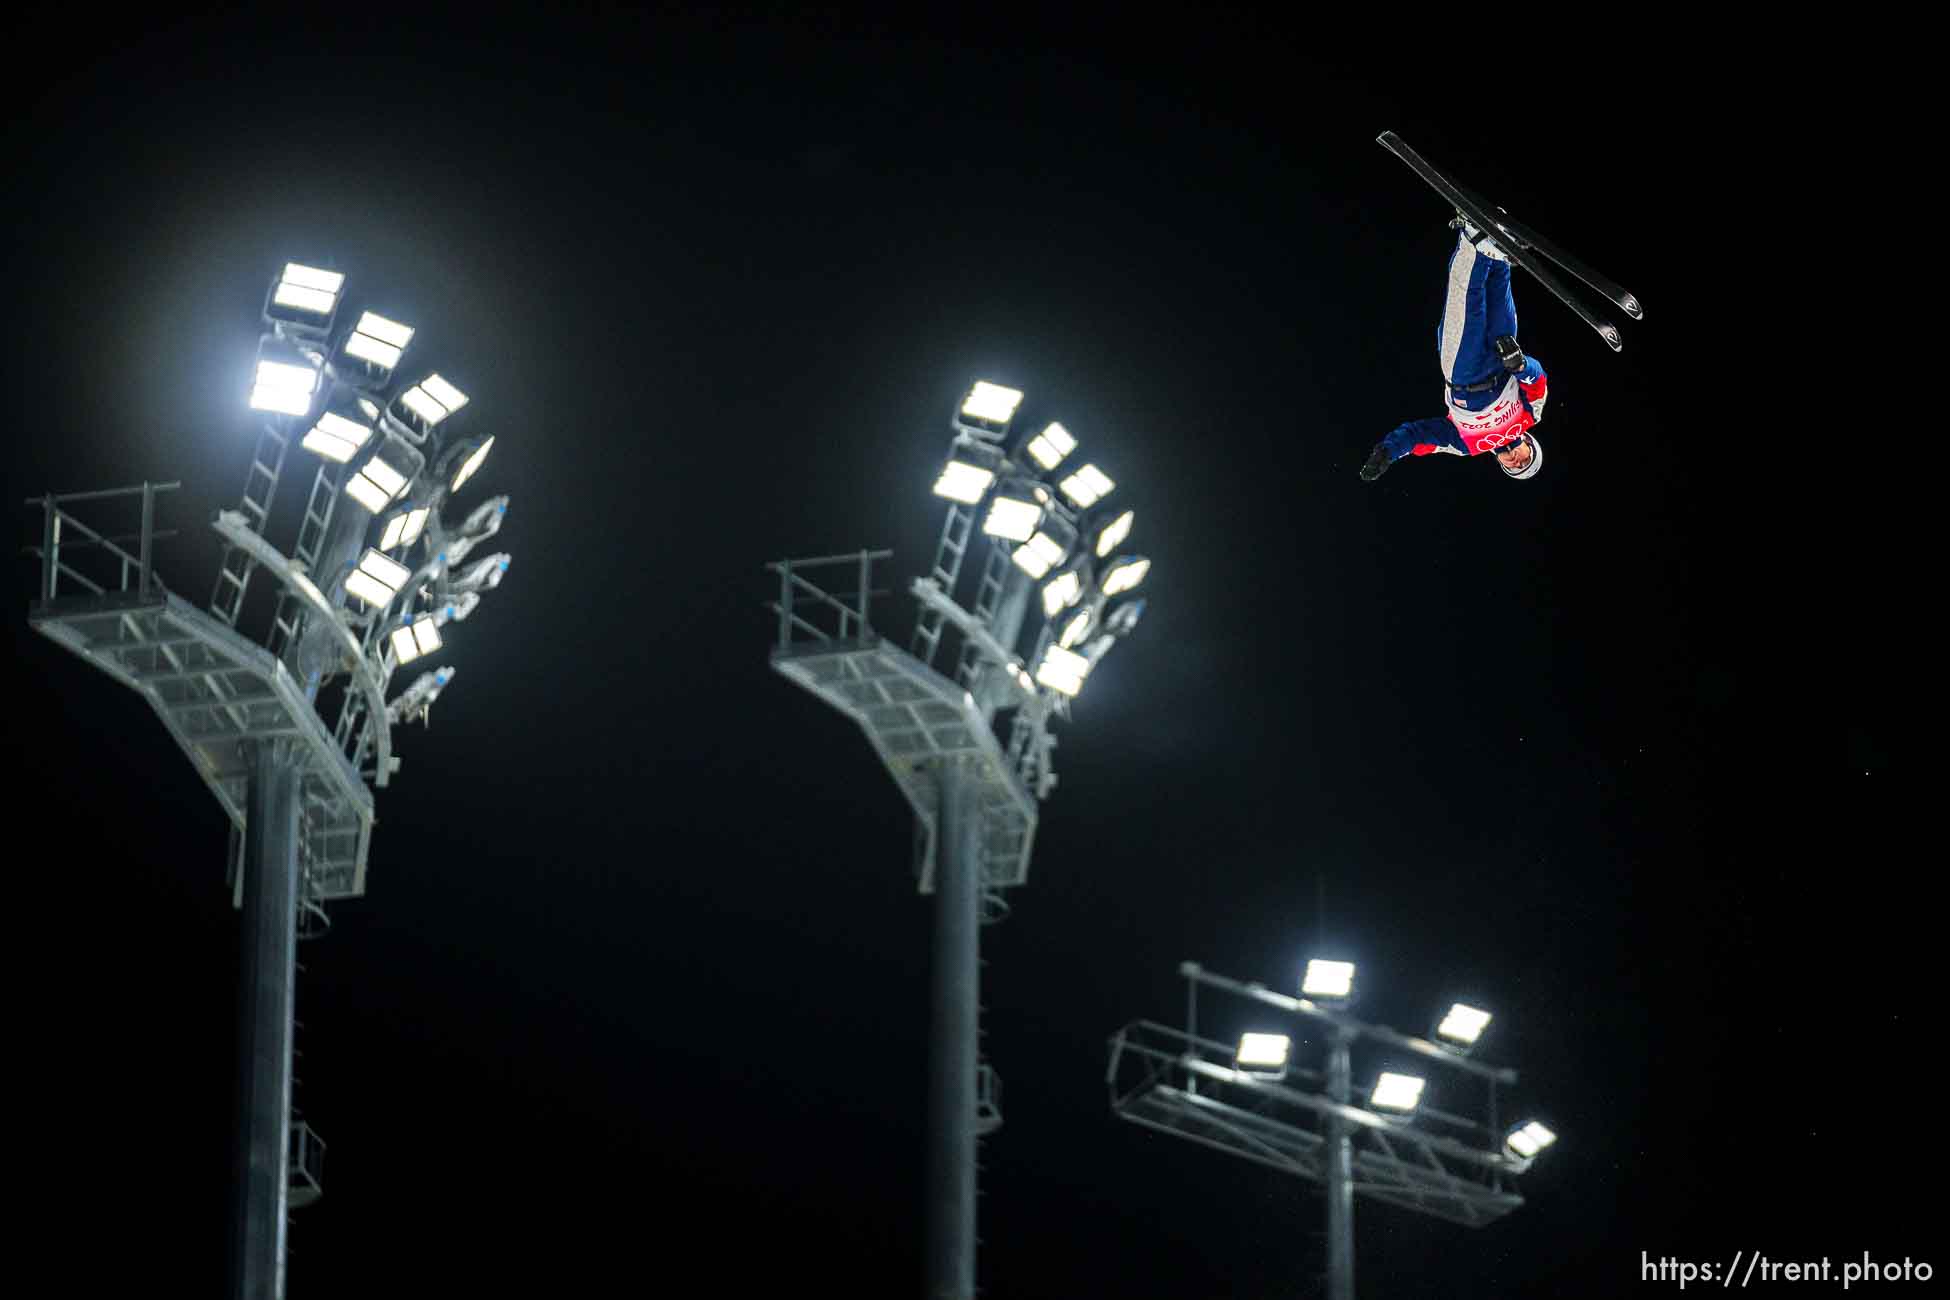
(915, 718)
(216, 692)
(1172, 1081)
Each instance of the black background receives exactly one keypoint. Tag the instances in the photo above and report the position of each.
(636, 993)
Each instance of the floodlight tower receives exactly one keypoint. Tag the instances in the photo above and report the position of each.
(352, 607)
(974, 784)
(1396, 1148)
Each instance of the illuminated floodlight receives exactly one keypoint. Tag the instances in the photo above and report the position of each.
(1087, 486)
(378, 341)
(308, 289)
(377, 579)
(1125, 574)
(991, 403)
(420, 637)
(1328, 979)
(377, 484)
(1402, 1092)
(1063, 670)
(1077, 627)
(1528, 1139)
(1061, 592)
(433, 399)
(963, 482)
(1463, 1025)
(337, 436)
(286, 387)
(1013, 519)
(404, 528)
(1260, 1053)
(1112, 535)
(1049, 447)
(1040, 554)
(468, 466)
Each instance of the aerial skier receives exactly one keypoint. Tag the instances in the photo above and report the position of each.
(1496, 394)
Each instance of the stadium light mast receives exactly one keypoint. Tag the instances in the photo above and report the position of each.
(352, 606)
(1388, 1144)
(973, 782)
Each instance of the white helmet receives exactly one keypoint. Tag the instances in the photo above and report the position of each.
(1536, 458)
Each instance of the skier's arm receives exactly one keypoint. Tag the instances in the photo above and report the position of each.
(1420, 437)
(1535, 387)
(1415, 438)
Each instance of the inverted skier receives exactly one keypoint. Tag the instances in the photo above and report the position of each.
(1495, 393)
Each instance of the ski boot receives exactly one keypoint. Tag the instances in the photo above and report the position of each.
(1484, 244)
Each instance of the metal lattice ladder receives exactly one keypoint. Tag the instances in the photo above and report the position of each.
(988, 598)
(311, 536)
(260, 489)
(947, 572)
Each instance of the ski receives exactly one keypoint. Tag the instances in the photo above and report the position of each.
(1517, 249)
(1527, 238)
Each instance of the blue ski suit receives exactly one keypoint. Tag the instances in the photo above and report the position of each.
(1488, 407)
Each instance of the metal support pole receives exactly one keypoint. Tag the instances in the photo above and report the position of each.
(866, 586)
(1340, 1175)
(148, 524)
(270, 943)
(951, 1083)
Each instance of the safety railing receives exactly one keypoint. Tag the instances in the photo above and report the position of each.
(810, 615)
(94, 560)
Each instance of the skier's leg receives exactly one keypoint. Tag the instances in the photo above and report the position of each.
(1463, 336)
(1499, 304)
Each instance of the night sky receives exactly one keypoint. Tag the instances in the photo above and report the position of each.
(636, 996)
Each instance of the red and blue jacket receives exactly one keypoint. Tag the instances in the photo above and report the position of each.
(1477, 422)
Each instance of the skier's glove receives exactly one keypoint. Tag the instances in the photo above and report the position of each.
(1378, 462)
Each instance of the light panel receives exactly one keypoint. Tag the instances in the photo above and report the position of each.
(404, 529)
(963, 482)
(1115, 532)
(1125, 574)
(1049, 447)
(378, 578)
(1063, 670)
(367, 493)
(336, 437)
(1401, 1092)
(991, 402)
(385, 568)
(420, 637)
(1061, 592)
(378, 340)
(1327, 979)
(308, 288)
(433, 399)
(1528, 1139)
(368, 588)
(444, 393)
(1077, 628)
(1463, 1024)
(1087, 486)
(1040, 554)
(376, 485)
(1264, 1051)
(1013, 519)
(468, 466)
(284, 387)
